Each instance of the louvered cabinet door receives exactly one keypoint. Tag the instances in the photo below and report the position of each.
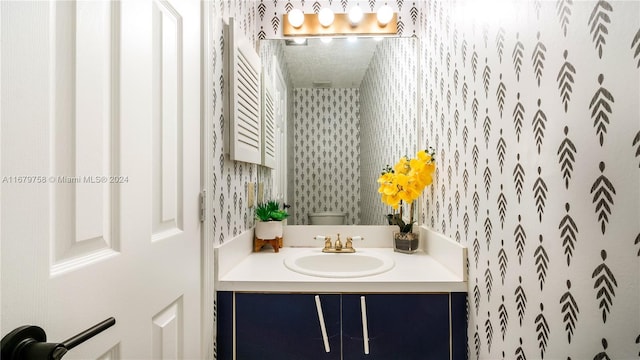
(269, 102)
(245, 127)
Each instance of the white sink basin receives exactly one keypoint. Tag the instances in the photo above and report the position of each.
(358, 264)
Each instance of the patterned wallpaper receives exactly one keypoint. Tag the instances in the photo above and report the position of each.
(328, 127)
(533, 107)
(268, 49)
(535, 118)
(228, 183)
(388, 118)
(270, 18)
(270, 13)
(326, 140)
(227, 213)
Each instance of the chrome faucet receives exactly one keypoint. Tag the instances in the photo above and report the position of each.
(338, 248)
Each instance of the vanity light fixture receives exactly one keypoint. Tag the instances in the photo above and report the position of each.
(326, 39)
(296, 18)
(326, 23)
(326, 16)
(385, 14)
(355, 15)
(300, 40)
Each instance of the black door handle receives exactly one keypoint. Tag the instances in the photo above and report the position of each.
(29, 342)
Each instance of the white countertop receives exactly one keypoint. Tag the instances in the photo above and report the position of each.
(265, 271)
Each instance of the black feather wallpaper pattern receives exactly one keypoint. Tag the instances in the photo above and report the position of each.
(388, 117)
(326, 140)
(533, 108)
(228, 183)
(343, 138)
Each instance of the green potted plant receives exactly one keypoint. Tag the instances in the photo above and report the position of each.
(270, 217)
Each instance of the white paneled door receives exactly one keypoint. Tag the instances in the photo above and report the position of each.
(100, 171)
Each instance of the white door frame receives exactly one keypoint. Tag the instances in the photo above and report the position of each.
(208, 276)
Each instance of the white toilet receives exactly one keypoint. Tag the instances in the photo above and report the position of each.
(327, 218)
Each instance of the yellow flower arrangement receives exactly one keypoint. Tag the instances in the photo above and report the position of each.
(405, 182)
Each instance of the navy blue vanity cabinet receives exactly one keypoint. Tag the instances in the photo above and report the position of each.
(425, 326)
(399, 326)
(286, 326)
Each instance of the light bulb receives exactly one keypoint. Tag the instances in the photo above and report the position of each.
(299, 40)
(326, 39)
(325, 17)
(385, 14)
(355, 15)
(296, 18)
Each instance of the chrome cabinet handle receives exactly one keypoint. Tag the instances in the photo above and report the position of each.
(323, 328)
(365, 326)
(29, 342)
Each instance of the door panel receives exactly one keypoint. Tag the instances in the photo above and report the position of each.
(286, 326)
(100, 174)
(84, 210)
(400, 326)
(168, 334)
(167, 79)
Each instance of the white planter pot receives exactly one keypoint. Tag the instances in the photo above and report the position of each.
(268, 230)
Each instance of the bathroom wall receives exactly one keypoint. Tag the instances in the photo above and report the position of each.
(388, 119)
(538, 159)
(229, 180)
(326, 153)
(228, 183)
(228, 214)
(353, 134)
(533, 107)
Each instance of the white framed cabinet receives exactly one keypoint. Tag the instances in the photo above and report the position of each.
(341, 326)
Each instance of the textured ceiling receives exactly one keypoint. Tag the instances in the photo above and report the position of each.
(341, 62)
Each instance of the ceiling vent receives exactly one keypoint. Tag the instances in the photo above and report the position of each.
(302, 42)
(322, 84)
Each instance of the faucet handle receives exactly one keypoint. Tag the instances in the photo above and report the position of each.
(349, 243)
(327, 242)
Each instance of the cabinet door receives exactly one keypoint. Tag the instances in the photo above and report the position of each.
(459, 326)
(399, 326)
(286, 326)
(224, 304)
